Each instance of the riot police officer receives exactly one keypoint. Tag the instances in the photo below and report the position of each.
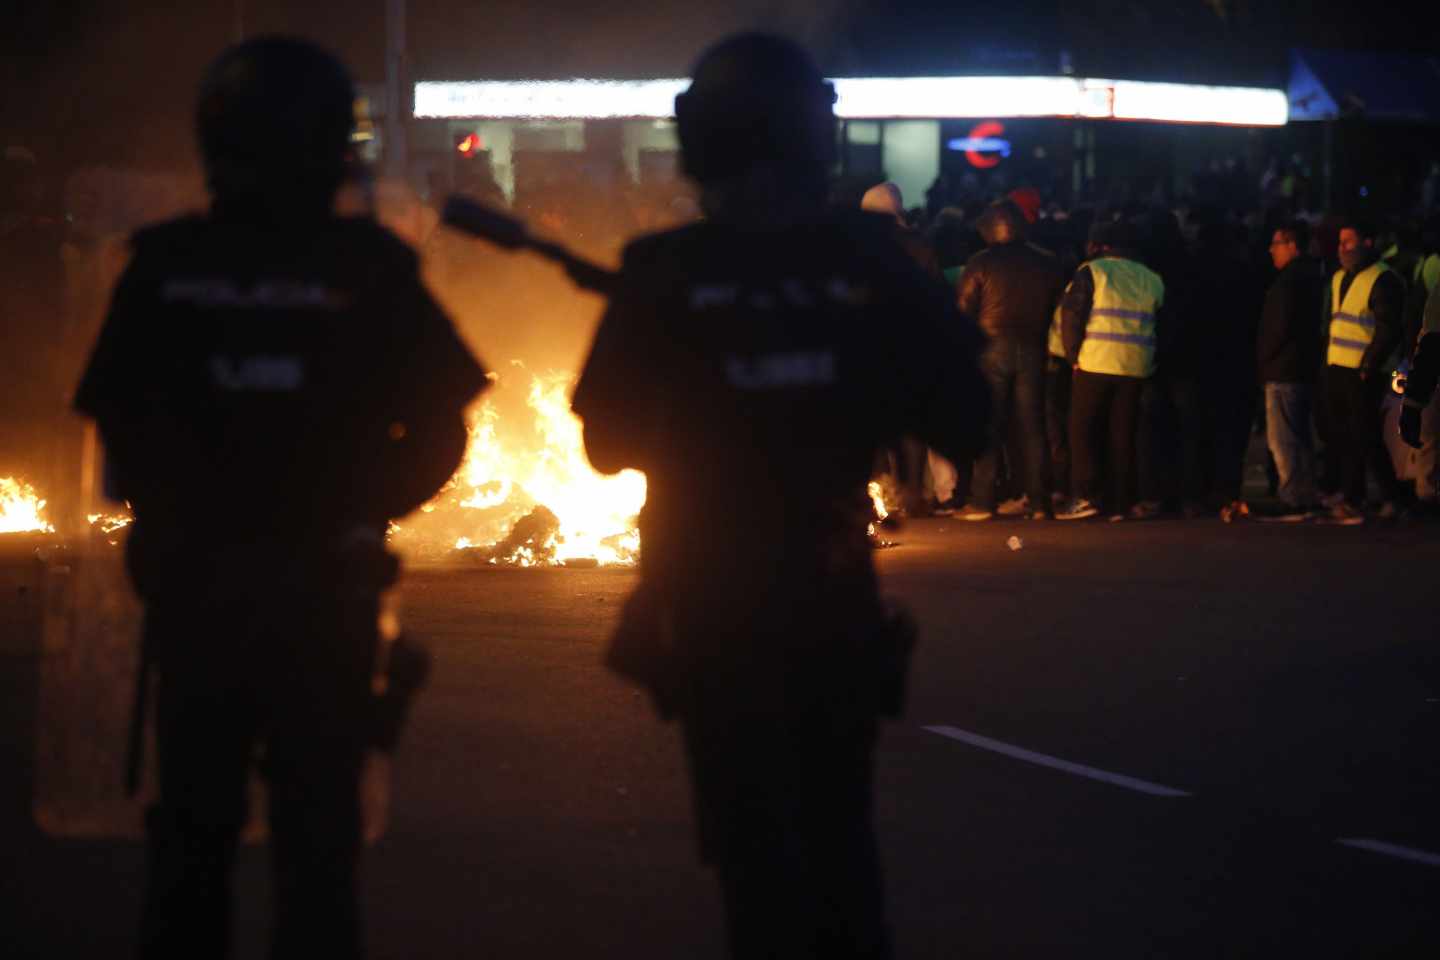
(752, 364)
(272, 384)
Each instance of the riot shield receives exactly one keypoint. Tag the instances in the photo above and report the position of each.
(87, 646)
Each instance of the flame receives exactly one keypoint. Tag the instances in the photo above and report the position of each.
(109, 523)
(21, 509)
(877, 497)
(526, 494)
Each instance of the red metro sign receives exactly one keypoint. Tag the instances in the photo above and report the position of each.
(984, 147)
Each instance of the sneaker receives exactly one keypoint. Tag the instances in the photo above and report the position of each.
(1390, 510)
(1234, 510)
(1078, 509)
(1343, 515)
(1013, 508)
(1284, 513)
(1144, 510)
(975, 513)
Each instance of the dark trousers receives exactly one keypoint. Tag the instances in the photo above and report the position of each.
(1354, 408)
(781, 757)
(912, 471)
(287, 681)
(1104, 414)
(1015, 370)
(1232, 402)
(1175, 441)
(1057, 422)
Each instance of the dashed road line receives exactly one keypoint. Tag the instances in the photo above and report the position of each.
(1391, 850)
(1055, 763)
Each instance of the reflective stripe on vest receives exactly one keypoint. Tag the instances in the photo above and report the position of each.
(1352, 324)
(1120, 337)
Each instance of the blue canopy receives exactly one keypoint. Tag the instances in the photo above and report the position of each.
(1325, 84)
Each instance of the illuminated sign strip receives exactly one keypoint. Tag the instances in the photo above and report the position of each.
(873, 98)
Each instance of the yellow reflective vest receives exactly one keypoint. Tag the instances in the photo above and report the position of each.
(1427, 273)
(1352, 323)
(1120, 337)
(1057, 338)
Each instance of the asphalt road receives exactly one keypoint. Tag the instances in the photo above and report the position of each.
(1134, 740)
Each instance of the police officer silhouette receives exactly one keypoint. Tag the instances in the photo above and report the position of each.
(752, 365)
(272, 384)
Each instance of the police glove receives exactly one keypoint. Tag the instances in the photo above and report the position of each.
(1410, 418)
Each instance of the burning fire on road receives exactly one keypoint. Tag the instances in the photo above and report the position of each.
(526, 494)
(22, 510)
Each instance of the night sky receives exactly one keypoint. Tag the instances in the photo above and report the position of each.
(117, 79)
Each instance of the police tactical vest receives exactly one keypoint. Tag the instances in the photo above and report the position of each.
(1352, 323)
(1120, 337)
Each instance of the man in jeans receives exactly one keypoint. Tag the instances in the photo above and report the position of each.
(1288, 355)
(1010, 289)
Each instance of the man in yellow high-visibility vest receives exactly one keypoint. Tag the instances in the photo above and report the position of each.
(1365, 311)
(1108, 324)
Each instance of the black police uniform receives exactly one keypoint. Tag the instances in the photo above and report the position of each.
(269, 395)
(753, 375)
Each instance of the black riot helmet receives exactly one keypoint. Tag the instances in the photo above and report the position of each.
(756, 100)
(274, 118)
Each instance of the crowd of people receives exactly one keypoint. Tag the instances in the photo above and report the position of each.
(1134, 353)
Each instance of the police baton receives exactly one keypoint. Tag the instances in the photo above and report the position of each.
(486, 223)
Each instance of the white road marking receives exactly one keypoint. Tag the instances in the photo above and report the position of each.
(1391, 850)
(1080, 770)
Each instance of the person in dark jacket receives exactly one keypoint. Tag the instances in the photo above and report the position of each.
(1287, 355)
(1365, 312)
(1229, 385)
(1176, 426)
(286, 366)
(1010, 289)
(912, 467)
(1416, 427)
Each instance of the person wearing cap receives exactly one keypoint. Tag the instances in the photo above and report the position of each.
(1027, 201)
(1109, 316)
(1364, 326)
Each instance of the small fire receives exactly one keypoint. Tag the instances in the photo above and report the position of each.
(527, 496)
(108, 523)
(877, 497)
(21, 508)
